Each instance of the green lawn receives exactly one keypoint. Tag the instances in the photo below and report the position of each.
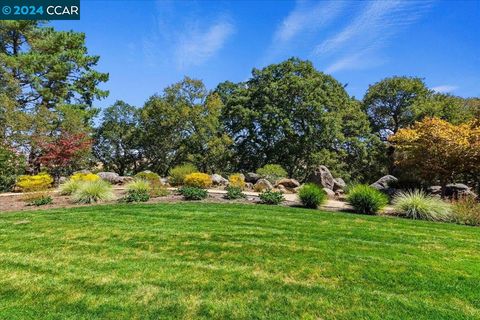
(216, 261)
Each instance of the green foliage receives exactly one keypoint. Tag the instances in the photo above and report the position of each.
(390, 103)
(293, 115)
(467, 211)
(40, 199)
(51, 83)
(69, 187)
(38, 182)
(193, 193)
(158, 190)
(117, 139)
(151, 177)
(311, 195)
(234, 193)
(366, 199)
(271, 197)
(416, 204)
(183, 125)
(272, 172)
(11, 165)
(137, 191)
(93, 191)
(177, 174)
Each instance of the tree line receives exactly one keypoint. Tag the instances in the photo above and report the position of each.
(287, 113)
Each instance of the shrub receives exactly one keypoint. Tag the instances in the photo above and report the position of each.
(416, 204)
(39, 199)
(178, 173)
(69, 187)
(84, 177)
(234, 193)
(151, 177)
(366, 199)
(39, 182)
(237, 180)
(311, 195)
(158, 190)
(467, 211)
(198, 180)
(271, 197)
(193, 193)
(137, 191)
(272, 172)
(11, 165)
(93, 191)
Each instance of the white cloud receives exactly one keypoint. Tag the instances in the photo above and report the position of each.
(376, 24)
(444, 88)
(197, 46)
(307, 17)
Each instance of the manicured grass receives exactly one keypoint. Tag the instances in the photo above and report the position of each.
(214, 261)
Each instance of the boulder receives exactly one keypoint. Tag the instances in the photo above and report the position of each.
(458, 190)
(288, 183)
(111, 177)
(330, 193)
(218, 180)
(262, 185)
(322, 177)
(281, 188)
(386, 185)
(248, 185)
(164, 181)
(338, 184)
(62, 180)
(124, 179)
(251, 177)
(435, 190)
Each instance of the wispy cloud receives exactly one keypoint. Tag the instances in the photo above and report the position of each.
(185, 40)
(197, 46)
(445, 88)
(370, 30)
(309, 17)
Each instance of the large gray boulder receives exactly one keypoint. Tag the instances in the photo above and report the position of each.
(322, 177)
(288, 183)
(262, 185)
(330, 193)
(218, 180)
(111, 177)
(458, 190)
(386, 184)
(339, 184)
(252, 177)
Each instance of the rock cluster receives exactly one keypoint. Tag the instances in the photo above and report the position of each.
(322, 176)
(386, 184)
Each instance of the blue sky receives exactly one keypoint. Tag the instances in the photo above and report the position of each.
(147, 45)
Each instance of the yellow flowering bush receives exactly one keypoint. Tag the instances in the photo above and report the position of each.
(236, 180)
(198, 179)
(39, 182)
(84, 177)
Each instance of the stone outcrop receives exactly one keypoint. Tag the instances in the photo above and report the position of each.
(386, 184)
(252, 177)
(338, 184)
(322, 177)
(330, 193)
(218, 180)
(262, 185)
(288, 183)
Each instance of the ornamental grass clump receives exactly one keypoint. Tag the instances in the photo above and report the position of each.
(177, 174)
(366, 199)
(198, 180)
(93, 191)
(416, 204)
(467, 211)
(312, 196)
(137, 191)
(69, 187)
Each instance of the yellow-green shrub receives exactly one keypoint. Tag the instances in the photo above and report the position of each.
(198, 180)
(178, 173)
(39, 182)
(84, 177)
(236, 180)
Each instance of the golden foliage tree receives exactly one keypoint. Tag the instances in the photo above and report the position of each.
(438, 151)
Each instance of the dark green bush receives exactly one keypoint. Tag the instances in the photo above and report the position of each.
(366, 199)
(11, 166)
(234, 193)
(193, 193)
(311, 196)
(271, 197)
(136, 196)
(40, 200)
